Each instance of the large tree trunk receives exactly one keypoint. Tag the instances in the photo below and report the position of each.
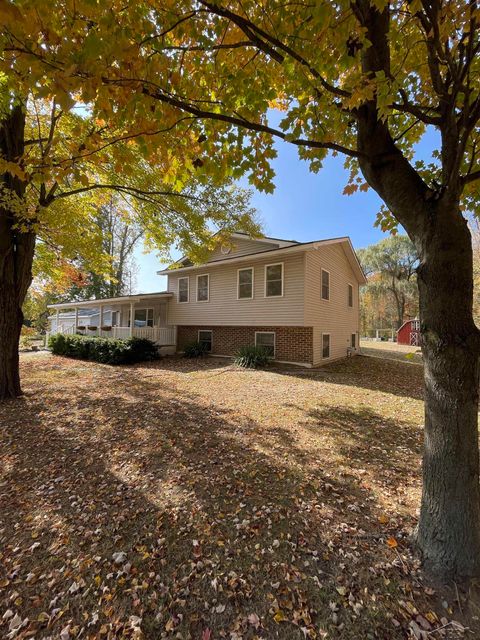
(449, 528)
(17, 244)
(11, 319)
(448, 532)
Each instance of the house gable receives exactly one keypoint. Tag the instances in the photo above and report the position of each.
(239, 246)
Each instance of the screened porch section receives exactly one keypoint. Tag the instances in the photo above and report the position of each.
(141, 316)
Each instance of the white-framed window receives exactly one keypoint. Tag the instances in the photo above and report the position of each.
(266, 340)
(205, 337)
(115, 318)
(203, 287)
(350, 295)
(274, 280)
(325, 284)
(354, 340)
(245, 283)
(142, 318)
(325, 345)
(183, 289)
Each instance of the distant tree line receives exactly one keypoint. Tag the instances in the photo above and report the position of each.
(77, 280)
(391, 296)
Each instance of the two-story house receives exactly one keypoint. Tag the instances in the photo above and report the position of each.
(299, 300)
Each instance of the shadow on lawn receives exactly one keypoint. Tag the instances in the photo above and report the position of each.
(177, 363)
(367, 439)
(387, 376)
(182, 489)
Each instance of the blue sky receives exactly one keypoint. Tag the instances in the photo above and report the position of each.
(304, 206)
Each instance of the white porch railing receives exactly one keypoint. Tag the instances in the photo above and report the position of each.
(67, 330)
(163, 336)
(160, 335)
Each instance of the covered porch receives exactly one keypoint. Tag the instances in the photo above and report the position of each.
(141, 316)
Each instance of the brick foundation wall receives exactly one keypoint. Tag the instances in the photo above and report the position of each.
(292, 344)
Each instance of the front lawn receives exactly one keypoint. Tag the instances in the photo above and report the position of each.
(189, 499)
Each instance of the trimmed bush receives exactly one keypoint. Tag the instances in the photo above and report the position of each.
(57, 344)
(251, 357)
(103, 350)
(195, 350)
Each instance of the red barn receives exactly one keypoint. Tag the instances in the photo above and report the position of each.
(409, 333)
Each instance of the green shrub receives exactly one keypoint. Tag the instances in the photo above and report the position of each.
(78, 347)
(195, 350)
(251, 357)
(132, 350)
(103, 350)
(57, 344)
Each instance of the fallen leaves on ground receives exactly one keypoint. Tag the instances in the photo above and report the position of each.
(193, 500)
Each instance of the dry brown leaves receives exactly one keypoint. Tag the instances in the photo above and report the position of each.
(194, 500)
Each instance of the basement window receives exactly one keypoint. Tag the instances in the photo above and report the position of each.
(325, 345)
(266, 340)
(205, 338)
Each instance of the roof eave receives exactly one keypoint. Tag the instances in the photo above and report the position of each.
(85, 304)
(294, 248)
(362, 278)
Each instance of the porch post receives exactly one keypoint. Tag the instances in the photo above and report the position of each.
(100, 320)
(131, 319)
(57, 321)
(76, 319)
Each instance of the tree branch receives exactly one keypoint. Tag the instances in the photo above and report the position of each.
(158, 94)
(260, 38)
(385, 167)
(124, 138)
(123, 189)
(169, 29)
(420, 112)
(470, 177)
(214, 47)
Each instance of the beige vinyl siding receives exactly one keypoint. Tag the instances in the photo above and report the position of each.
(224, 308)
(242, 247)
(333, 316)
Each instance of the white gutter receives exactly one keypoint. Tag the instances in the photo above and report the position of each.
(87, 304)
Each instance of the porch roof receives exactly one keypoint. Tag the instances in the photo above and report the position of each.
(138, 297)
